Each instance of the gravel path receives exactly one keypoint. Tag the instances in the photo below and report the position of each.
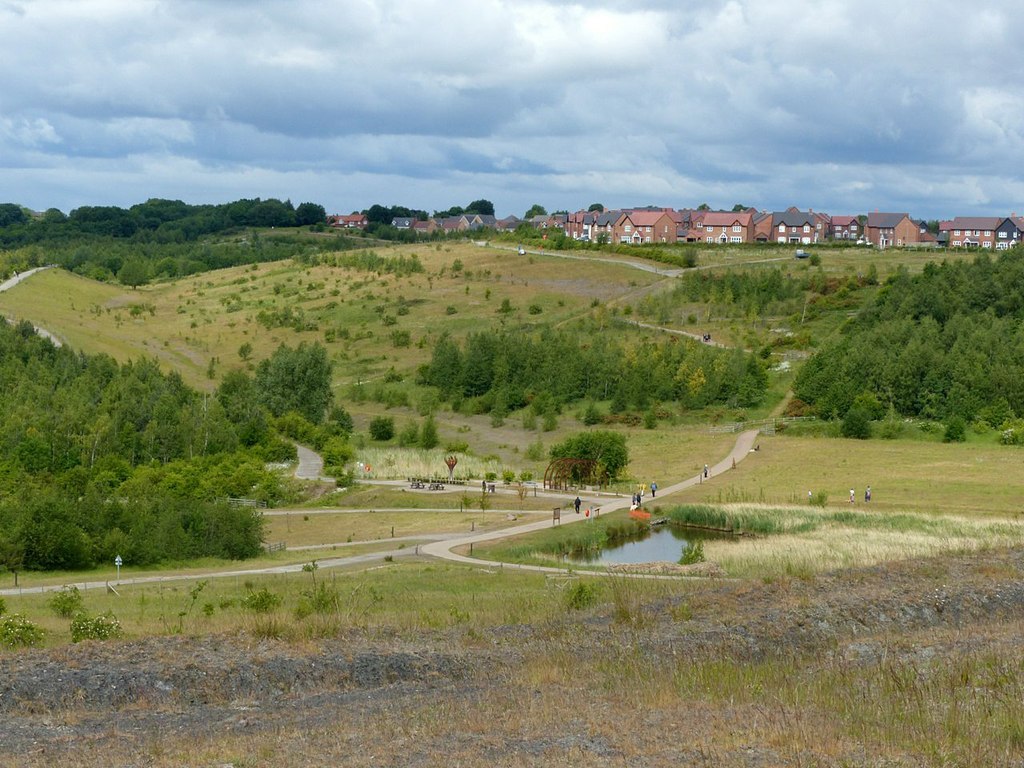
(19, 277)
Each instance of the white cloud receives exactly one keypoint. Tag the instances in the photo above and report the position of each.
(840, 104)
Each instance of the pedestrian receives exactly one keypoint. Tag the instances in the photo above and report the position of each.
(867, 494)
(810, 498)
(852, 495)
(705, 471)
(577, 504)
(654, 490)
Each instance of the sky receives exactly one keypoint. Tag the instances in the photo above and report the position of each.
(844, 106)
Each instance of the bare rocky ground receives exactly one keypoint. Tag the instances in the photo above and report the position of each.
(503, 696)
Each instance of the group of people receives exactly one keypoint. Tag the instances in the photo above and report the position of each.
(706, 338)
(867, 495)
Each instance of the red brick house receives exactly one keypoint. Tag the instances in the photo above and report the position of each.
(349, 221)
(726, 227)
(973, 231)
(645, 226)
(846, 228)
(892, 229)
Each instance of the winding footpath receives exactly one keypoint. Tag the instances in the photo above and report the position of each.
(439, 545)
(17, 278)
(444, 549)
(442, 546)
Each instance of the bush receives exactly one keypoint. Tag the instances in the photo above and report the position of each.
(382, 428)
(102, 627)
(66, 602)
(261, 601)
(694, 553)
(581, 595)
(3, 606)
(956, 430)
(856, 423)
(16, 630)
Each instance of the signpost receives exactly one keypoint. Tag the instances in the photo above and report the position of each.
(118, 562)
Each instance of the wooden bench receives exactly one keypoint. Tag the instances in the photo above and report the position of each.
(437, 486)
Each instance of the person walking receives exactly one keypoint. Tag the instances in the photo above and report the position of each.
(867, 494)
(577, 504)
(853, 495)
(705, 471)
(654, 490)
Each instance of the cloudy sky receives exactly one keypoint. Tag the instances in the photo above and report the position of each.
(845, 106)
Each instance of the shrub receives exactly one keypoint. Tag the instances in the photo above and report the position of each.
(581, 595)
(694, 553)
(856, 423)
(261, 601)
(102, 627)
(16, 630)
(956, 430)
(3, 606)
(66, 602)
(382, 428)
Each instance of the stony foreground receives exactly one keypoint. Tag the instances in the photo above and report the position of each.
(589, 690)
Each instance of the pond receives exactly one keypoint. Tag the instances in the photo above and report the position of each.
(663, 543)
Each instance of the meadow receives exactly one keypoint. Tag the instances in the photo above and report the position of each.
(844, 634)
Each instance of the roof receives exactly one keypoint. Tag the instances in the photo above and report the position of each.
(726, 218)
(976, 222)
(793, 218)
(885, 220)
(844, 221)
(646, 217)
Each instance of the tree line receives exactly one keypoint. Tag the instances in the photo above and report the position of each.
(505, 370)
(946, 343)
(99, 458)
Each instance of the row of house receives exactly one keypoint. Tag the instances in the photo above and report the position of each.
(792, 226)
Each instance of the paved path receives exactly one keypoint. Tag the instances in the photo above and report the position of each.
(311, 465)
(13, 281)
(443, 549)
(439, 545)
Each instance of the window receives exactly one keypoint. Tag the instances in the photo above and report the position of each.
(710, 239)
(853, 227)
(988, 233)
(807, 227)
(1002, 235)
(957, 243)
(736, 240)
(626, 228)
(977, 233)
(782, 227)
(986, 244)
(956, 232)
(737, 228)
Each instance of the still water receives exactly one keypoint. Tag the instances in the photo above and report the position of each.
(664, 543)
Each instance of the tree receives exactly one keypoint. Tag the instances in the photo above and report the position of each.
(382, 428)
(428, 434)
(11, 214)
(483, 207)
(739, 207)
(856, 423)
(134, 273)
(596, 207)
(535, 210)
(296, 380)
(605, 447)
(310, 213)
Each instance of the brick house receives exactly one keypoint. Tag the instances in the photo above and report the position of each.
(645, 226)
(846, 228)
(892, 229)
(973, 231)
(349, 221)
(726, 227)
(1009, 233)
(796, 226)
